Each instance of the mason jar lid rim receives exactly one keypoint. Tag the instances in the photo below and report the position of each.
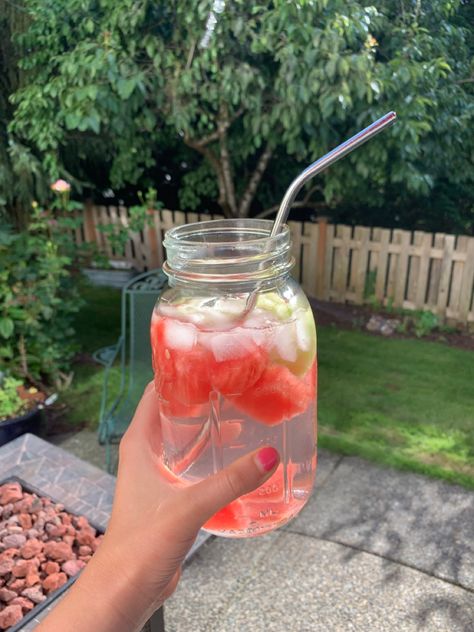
(217, 226)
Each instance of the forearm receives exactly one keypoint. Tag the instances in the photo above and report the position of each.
(103, 599)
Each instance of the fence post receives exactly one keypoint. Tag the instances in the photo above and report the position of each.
(321, 256)
(153, 259)
(90, 234)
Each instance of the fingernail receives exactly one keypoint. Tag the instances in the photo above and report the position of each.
(267, 458)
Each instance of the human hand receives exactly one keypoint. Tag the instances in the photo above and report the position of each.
(153, 525)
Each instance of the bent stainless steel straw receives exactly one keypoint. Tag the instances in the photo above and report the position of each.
(316, 167)
(323, 163)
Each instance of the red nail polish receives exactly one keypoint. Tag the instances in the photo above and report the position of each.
(267, 458)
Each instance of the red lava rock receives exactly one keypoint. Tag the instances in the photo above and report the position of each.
(69, 539)
(10, 616)
(32, 579)
(85, 558)
(10, 493)
(2, 582)
(85, 550)
(7, 595)
(14, 528)
(32, 533)
(17, 584)
(35, 505)
(31, 548)
(54, 581)
(70, 530)
(96, 542)
(21, 568)
(6, 566)
(81, 522)
(58, 551)
(25, 604)
(86, 535)
(56, 531)
(8, 554)
(35, 594)
(25, 521)
(14, 541)
(50, 568)
(72, 567)
(65, 518)
(7, 511)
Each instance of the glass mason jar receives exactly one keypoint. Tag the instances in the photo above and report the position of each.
(231, 380)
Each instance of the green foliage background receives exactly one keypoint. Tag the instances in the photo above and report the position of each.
(106, 92)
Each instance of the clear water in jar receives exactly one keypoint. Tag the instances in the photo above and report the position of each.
(228, 386)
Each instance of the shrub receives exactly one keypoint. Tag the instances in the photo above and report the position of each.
(38, 295)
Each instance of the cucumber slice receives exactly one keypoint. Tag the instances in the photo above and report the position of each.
(295, 343)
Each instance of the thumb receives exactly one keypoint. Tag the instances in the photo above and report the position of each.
(241, 477)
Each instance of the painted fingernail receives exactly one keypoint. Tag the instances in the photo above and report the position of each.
(267, 458)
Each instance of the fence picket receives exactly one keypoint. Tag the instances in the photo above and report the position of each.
(363, 235)
(382, 265)
(445, 275)
(430, 273)
(403, 238)
(423, 270)
(467, 282)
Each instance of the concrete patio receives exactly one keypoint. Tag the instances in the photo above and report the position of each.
(374, 550)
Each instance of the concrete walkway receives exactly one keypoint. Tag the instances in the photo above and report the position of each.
(374, 550)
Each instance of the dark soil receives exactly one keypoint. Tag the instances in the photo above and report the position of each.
(356, 317)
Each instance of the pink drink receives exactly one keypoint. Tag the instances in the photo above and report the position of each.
(228, 385)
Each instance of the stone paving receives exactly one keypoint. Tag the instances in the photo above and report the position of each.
(374, 550)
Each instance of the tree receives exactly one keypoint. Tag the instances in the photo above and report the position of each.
(21, 174)
(246, 88)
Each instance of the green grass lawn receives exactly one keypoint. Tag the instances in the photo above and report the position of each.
(97, 325)
(404, 403)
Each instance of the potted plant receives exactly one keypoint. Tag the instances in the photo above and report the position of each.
(20, 408)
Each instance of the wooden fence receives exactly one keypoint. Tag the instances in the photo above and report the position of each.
(354, 264)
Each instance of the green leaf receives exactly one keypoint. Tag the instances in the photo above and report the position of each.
(125, 87)
(6, 327)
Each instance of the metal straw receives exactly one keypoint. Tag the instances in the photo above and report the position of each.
(323, 163)
(316, 167)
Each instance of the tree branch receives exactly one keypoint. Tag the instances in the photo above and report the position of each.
(210, 157)
(467, 80)
(210, 138)
(304, 203)
(222, 127)
(254, 181)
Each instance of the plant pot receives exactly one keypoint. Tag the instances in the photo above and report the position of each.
(13, 428)
(109, 277)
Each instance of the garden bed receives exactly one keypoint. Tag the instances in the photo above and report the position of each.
(356, 317)
(42, 548)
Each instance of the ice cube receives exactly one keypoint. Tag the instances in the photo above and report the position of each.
(179, 335)
(233, 344)
(285, 342)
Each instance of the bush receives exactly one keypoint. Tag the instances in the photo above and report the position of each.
(38, 296)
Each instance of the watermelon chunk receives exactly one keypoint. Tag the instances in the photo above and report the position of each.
(181, 374)
(277, 396)
(230, 517)
(235, 375)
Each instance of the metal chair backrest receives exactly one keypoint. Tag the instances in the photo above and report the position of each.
(138, 299)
